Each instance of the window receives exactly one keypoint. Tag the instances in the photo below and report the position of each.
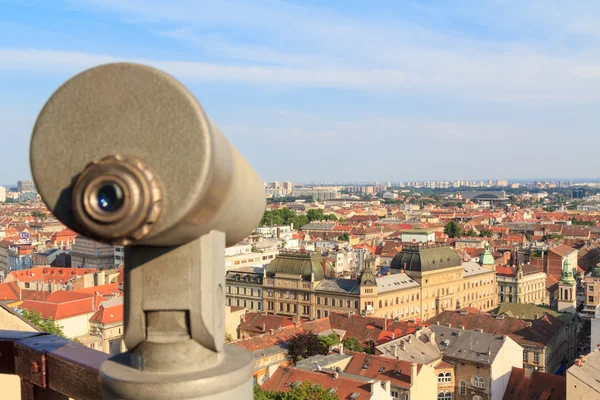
(332, 302)
(536, 357)
(444, 396)
(287, 294)
(525, 355)
(306, 310)
(590, 299)
(478, 382)
(380, 304)
(590, 288)
(394, 394)
(326, 301)
(318, 300)
(444, 377)
(462, 388)
(258, 306)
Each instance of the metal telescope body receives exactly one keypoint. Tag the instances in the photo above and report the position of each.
(142, 166)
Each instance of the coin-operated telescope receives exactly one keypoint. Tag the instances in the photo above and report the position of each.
(124, 154)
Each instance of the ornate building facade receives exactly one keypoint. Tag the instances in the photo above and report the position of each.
(423, 281)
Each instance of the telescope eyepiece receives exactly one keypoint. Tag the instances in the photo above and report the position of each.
(116, 199)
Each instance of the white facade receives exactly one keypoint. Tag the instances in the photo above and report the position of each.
(2, 194)
(418, 236)
(509, 356)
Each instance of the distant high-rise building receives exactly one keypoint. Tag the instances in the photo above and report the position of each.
(578, 193)
(25, 186)
(2, 194)
(502, 182)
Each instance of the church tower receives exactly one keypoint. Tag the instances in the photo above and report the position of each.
(487, 259)
(567, 300)
(367, 283)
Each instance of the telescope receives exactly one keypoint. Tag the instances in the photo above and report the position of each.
(124, 154)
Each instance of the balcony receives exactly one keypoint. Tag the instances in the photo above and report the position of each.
(50, 367)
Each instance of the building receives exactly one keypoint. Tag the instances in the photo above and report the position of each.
(29, 195)
(578, 193)
(470, 243)
(342, 385)
(591, 289)
(119, 256)
(45, 257)
(483, 361)
(245, 287)
(19, 257)
(418, 236)
(582, 377)
(87, 253)
(522, 284)
(557, 257)
(421, 282)
(487, 259)
(527, 384)
(2, 194)
(24, 186)
(107, 324)
(545, 340)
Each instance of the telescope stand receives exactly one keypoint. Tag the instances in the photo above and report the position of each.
(175, 327)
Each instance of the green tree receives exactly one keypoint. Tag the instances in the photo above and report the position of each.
(471, 233)
(46, 324)
(330, 340)
(304, 391)
(344, 237)
(486, 233)
(304, 345)
(315, 215)
(352, 344)
(453, 229)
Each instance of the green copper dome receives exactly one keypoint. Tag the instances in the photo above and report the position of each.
(298, 263)
(423, 258)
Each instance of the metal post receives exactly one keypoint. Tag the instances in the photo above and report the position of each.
(174, 330)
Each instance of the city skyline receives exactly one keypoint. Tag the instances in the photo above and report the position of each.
(424, 91)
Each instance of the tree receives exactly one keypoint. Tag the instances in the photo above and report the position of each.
(304, 345)
(471, 233)
(486, 233)
(344, 237)
(46, 324)
(352, 344)
(315, 215)
(304, 391)
(453, 229)
(330, 340)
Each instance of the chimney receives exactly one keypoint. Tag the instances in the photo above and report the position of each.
(528, 372)
(536, 316)
(432, 337)
(449, 325)
(341, 347)
(413, 373)
(403, 345)
(395, 347)
(578, 362)
(479, 330)
(271, 331)
(385, 324)
(410, 339)
(462, 327)
(264, 327)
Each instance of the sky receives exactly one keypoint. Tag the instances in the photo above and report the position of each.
(343, 90)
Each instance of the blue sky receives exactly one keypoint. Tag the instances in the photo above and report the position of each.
(338, 91)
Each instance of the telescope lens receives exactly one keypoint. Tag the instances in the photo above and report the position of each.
(110, 197)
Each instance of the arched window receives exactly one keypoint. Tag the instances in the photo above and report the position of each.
(462, 387)
(444, 396)
(444, 377)
(478, 382)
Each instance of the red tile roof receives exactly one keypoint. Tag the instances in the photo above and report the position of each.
(108, 315)
(539, 386)
(9, 291)
(47, 274)
(371, 329)
(105, 290)
(283, 379)
(381, 368)
(261, 323)
(59, 311)
(562, 250)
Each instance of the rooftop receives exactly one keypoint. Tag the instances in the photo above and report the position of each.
(477, 347)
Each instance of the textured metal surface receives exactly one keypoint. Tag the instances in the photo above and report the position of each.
(141, 112)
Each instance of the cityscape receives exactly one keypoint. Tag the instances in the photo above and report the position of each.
(480, 292)
(299, 200)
